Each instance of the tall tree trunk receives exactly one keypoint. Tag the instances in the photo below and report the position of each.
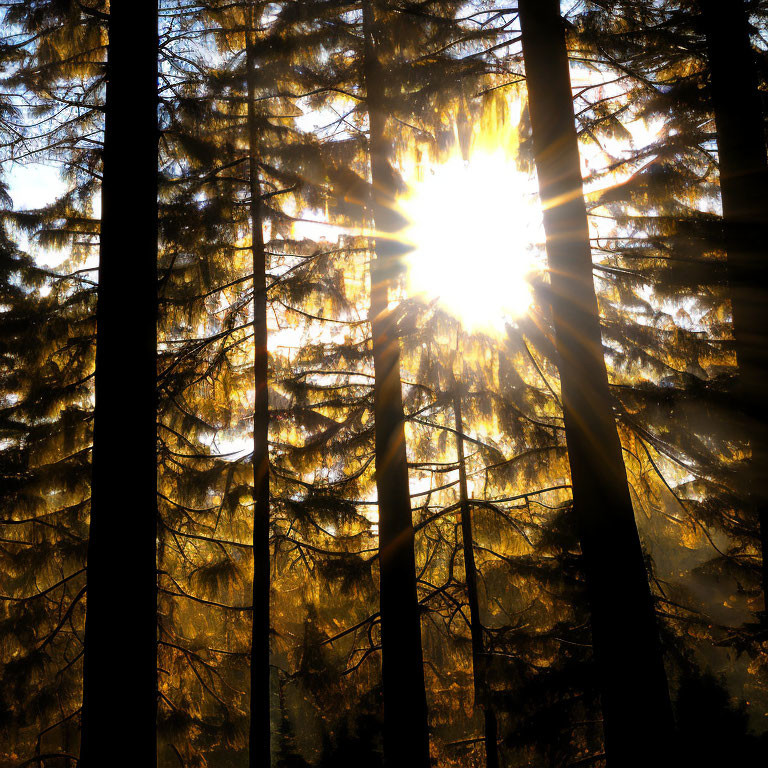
(637, 714)
(259, 731)
(479, 657)
(120, 661)
(406, 734)
(744, 189)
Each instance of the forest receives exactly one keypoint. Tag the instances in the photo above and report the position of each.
(382, 383)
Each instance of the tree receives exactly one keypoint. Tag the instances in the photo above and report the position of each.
(636, 707)
(479, 656)
(743, 162)
(259, 734)
(406, 734)
(122, 579)
(46, 366)
(233, 163)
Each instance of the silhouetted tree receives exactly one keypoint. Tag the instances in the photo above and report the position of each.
(122, 579)
(406, 734)
(743, 166)
(47, 327)
(636, 707)
(479, 655)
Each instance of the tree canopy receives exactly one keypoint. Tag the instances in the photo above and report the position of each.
(381, 383)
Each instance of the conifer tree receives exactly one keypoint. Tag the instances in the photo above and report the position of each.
(342, 75)
(62, 72)
(259, 734)
(122, 580)
(225, 119)
(636, 706)
(743, 162)
(47, 363)
(51, 58)
(668, 243)
(406, 736)
(479, 656)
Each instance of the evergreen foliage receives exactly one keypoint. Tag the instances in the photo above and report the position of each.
(370, 549)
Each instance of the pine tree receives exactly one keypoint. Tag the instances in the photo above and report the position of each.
(207, 361)
(51, 59)
(259, 739)
(342, 75)
(530, 597)
(635, 696)
(406, 735)
(743, 163)
(47, 364)
(675, 372)
(669, 319)
(122, 578)
(479, 656)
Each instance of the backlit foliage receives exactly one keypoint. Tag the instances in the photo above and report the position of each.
(454, 91)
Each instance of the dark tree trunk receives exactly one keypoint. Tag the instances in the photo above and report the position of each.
(120, 661)
(479, 657)
(406, 734)
(259, 731)
(744, 188)
(637, 713)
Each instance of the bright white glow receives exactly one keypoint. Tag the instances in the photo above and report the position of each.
(475, 227)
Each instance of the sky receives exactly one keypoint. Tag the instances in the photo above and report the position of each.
(33, 184)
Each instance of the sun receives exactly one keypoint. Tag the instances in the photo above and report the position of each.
(475, 230)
